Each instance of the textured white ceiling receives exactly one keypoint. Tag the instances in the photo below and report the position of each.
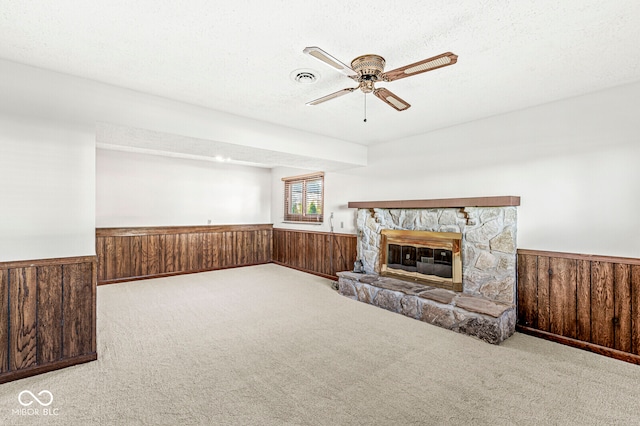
(236, 56)
(122, 138)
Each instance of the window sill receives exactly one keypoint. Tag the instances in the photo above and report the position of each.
(302, 223)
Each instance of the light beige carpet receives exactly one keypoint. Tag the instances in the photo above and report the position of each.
(267, 345)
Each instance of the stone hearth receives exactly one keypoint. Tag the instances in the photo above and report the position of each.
(475, 316)
(486, 306)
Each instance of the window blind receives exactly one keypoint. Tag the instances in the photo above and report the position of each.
(304, 198)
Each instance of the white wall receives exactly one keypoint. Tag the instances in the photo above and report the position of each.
(338, 191)
(48, 171)
(37, 92)
(573, 162)
(147, 190)
(47, 204)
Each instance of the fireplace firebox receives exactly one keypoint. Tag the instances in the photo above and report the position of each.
(431, 258)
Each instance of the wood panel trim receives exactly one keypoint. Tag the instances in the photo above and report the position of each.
(50, 307)
(311, 251)
(128, 254)
(50, 316)
(337, 234)
(591, 347)
(12, 264)
(498, 201)
(45, 368)
(172, 230)
(587, 257)
(4, 321)
(94, 304)
(23, 316)
(587, 301)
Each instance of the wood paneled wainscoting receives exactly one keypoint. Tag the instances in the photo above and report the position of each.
(320, 253)
(47, 315)
(590, 302)
(126, 254)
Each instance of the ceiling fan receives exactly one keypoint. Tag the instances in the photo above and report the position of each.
(369, 69)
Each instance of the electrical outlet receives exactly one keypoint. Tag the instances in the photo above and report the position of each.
(208, 221)
(341, 224)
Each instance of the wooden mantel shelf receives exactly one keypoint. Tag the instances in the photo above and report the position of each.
(508, 200)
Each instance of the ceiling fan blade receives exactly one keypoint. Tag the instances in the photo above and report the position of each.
(334, 63)
(331, 96)
(391, 99)
(425, 65)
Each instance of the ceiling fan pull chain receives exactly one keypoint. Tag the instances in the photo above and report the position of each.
(365, 107)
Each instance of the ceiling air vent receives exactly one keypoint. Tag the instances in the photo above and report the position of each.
(305, 76)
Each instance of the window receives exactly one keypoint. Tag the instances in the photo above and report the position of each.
(304, 198)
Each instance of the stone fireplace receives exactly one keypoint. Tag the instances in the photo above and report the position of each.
(449, 262)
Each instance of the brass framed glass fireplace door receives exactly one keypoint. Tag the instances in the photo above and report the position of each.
(431, 258)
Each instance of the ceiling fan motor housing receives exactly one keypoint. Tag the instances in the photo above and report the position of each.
(368, 67)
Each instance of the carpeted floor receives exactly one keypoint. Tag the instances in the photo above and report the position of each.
(267, 345)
